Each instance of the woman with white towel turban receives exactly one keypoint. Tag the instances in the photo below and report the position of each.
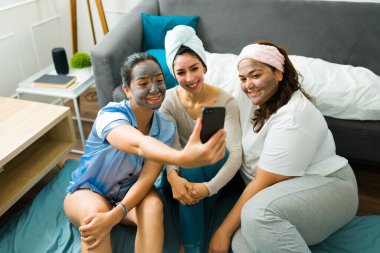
(197, 189)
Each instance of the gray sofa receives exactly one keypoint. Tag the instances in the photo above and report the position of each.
(340, 32)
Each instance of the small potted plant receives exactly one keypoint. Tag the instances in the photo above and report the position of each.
(80, 60)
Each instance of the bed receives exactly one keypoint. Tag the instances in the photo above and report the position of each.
(341, 33)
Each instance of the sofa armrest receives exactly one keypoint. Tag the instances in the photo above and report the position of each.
(108, 55)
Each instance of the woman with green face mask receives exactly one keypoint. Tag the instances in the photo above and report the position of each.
(124, 154)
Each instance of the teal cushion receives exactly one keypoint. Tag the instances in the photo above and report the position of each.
(159, 54)
(361, 234)
(155, 28)
(43, 226)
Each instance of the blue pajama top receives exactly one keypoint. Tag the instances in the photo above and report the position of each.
(107, 170)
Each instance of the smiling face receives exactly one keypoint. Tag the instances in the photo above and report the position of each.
(147, 88)
(258, 80)
(189, 72)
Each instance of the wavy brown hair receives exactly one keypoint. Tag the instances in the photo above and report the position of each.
(289, 84)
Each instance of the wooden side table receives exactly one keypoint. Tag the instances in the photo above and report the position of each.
(34, 138)
(85, 80)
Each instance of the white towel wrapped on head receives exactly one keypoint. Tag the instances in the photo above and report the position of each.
(182, 35)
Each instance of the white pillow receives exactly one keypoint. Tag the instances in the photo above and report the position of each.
(222, 72)
(341, 91)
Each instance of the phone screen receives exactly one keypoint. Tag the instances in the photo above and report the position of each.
(212, 121)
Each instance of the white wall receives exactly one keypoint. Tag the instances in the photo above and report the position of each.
(29, 29)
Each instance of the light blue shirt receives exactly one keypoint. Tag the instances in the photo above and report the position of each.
(107, 170)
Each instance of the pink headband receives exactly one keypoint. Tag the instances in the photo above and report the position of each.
(263, 53)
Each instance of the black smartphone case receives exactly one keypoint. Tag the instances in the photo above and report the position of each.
(212, 121)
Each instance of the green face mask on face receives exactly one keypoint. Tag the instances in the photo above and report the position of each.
(148, 88)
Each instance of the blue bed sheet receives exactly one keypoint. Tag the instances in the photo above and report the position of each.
(43, 227)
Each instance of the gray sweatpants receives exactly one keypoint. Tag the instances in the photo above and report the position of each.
(295, 213)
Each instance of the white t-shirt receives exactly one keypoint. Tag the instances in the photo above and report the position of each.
(294, 141)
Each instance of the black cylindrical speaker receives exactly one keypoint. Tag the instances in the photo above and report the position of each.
(60, 61)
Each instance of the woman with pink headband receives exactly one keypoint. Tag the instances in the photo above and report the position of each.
(298, 191)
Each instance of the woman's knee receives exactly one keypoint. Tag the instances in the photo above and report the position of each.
(151, 206)
(252, 216)
(258, 221)
(77, 206)
(239, 244)
(155, 204)
(195, 175)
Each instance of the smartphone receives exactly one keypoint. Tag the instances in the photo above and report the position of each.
(212, 121)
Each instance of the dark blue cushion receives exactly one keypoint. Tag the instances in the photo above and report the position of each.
(160, 56)
(155, 28)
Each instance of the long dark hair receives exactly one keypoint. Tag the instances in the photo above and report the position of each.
(131, 61)
(289, 84)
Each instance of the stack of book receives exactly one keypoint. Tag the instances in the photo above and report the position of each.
(55, 81)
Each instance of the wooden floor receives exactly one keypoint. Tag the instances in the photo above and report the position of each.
(368, 176)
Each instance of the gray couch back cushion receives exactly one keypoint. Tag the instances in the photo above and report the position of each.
(226, 26)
